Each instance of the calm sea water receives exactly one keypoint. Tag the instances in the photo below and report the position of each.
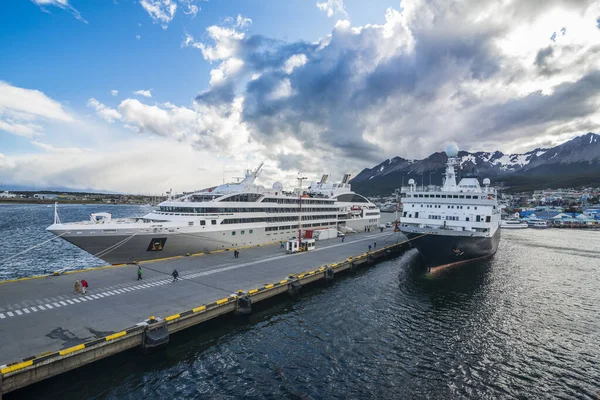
(524, 325)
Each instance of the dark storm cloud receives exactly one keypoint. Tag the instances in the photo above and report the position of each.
(568, 101)
(218, 95)
(410, 83)
(543, 61)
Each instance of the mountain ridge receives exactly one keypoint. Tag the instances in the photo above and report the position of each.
(577, 160)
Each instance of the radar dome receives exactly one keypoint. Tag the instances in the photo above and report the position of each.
(411, 181)
(486, 181)
(452, 149)
(277, 186)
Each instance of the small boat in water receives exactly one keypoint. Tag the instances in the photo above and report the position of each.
(539, 225)
(513, 224)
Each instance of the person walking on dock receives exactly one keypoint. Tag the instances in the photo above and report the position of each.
(236, 254)
(76, 289)
(343, 237)
(374, 245)
(175, 275)
(84, 286)
(369, 248)
(139, 273)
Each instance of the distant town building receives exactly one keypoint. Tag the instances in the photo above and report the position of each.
(7, 195)
(45, 196)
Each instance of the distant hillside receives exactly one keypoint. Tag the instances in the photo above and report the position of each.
(571, 164)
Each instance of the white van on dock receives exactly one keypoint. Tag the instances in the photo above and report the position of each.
(292, 245)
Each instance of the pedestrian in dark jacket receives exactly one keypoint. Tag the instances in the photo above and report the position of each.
(175, 275)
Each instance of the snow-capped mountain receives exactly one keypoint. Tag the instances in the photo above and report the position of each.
(576, 159)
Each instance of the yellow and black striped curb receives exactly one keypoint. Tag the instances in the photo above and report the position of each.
(31, 361)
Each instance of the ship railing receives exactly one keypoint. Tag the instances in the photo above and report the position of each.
(112, 221)
(434, 188)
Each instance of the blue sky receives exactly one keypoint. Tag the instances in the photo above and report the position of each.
(62, 56)
(316, 86)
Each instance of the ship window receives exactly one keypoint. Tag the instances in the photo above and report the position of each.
(455, 196)
(214, 221)
(416, 215)
(191, 223)
(467, 219)
(250, 231)
(487, 219)
(478, 218)
(468, 197)
(468, 207)
(437, 196)
(475, 207)
(475, 197)
(461, 196)
(404, 215)
(443, 196)
(232, 233)
(202, 222)
(242, 232)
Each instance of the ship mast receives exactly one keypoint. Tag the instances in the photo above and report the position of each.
(300, 179)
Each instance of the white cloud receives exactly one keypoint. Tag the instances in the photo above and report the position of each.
(178, 123)
(58, 150)
(282, 90)
(239, 22)
(64, 4)
(114, 92)
(149, 167)
(297, 60)
(145, 93)
(138, 37)
(226, 42)
(189, 7)
(23, 110)
(226, 70)
(332, 7)
(110, 115)
(163, 11)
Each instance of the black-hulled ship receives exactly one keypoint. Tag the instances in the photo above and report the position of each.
(454, 223)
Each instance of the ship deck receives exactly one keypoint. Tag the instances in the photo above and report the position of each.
(40, 316)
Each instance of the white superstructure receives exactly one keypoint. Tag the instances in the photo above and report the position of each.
(456, 222)
(227, 216)
(461, 207)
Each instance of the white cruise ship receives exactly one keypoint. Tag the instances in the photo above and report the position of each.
(227, 216)
(454, 223)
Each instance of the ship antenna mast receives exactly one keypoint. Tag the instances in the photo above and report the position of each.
(56, 217)
(300, 179)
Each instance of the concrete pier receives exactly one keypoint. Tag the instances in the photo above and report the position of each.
(46, 329)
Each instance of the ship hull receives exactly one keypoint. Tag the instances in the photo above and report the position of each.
(444, 250)
(117, 248)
